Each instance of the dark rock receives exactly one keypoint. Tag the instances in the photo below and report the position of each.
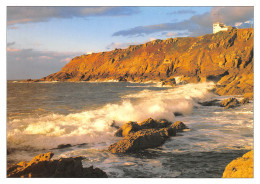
(61, 146)
(147, 138)
(179, 126)
(178, 114)
(163, 123)
(171, 131)
(42, 166)
(244, 100)
(229, 103)
(149, 123)
(210, 103)
(169, 82)
(140, 140)
(113, 124)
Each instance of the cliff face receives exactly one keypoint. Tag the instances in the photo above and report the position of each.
(224, 57)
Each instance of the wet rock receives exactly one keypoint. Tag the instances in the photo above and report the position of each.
(140, 140)
(169, 82)
(242, 167)
(178, 114)
(148, 137)
(42, 166)
(149, 123)
(113, 124)
(244, 100)
(61, 146)
(127, 128)
(229, 103)
(210, 103)
(178, 126)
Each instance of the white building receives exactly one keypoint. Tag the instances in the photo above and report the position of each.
(220, 27)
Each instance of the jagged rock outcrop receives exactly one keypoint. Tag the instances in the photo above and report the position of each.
(142, 139)
(224, 57)
(242, 167)
(229, 103)
(147, 134)
(150, 123)
(41, 166)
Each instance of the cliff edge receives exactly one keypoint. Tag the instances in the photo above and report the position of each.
(224, 57)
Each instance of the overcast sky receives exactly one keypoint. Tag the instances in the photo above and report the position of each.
(41, 40)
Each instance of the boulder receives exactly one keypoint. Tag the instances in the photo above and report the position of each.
(210, 103)
(42, 166)
(61, 146)
(147, 138)
(149, 123)
(242, 167)
(229, 103)
(140, 140)
(127, 128)
(178, 126)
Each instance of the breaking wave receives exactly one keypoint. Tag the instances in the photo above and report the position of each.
(94, 126)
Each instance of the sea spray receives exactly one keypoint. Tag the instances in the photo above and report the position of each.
(94, 125)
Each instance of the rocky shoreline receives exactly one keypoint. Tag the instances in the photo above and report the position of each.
(136, 137)
(42, 166)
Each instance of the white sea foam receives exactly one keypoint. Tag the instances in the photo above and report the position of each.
(94, 126)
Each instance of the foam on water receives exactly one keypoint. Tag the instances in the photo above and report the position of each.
(212, 129)
(94, 125)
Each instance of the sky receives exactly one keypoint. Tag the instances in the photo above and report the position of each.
(41, 40)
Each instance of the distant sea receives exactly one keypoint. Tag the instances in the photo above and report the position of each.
(42, 116)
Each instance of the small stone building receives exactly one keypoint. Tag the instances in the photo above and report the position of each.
(220, 27)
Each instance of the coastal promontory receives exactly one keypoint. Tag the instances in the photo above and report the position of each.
(225, 57)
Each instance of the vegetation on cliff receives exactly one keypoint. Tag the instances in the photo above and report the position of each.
(224, 57)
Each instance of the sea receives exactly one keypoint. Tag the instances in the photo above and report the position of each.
(43, 116)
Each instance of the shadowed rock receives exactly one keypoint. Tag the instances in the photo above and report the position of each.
(229, 103)
(178, 126)
(210, 103)
(61, 146)
(41, 166)
(140, 140)
(152, 134)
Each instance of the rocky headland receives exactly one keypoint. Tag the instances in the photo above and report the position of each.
(225, 58)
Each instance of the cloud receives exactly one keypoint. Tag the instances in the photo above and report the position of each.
(197, 24)
(119, 45)
(9, 44)
(185, 11)
(30, 63)
(21, 15)
(8, 49)
(142, 30)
